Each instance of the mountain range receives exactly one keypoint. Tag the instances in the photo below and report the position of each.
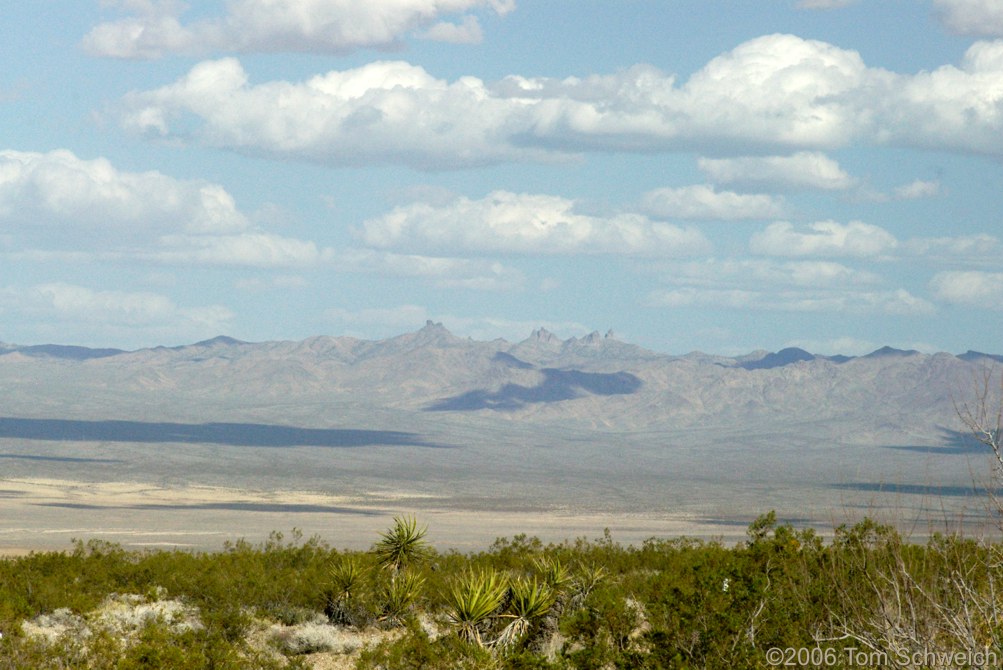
(596, 378)
(591, 423)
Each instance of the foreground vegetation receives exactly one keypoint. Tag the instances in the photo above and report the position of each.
(865, 598)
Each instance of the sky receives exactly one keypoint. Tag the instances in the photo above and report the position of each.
(692, 175)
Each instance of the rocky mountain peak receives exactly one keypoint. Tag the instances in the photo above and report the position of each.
(541, 334)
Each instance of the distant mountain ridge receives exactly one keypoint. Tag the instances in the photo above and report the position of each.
(574, 422)
(596, 380)
(541, 344)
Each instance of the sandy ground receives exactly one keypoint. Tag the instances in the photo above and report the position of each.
(48, 514)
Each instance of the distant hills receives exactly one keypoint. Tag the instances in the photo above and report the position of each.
(597, 379)
(589, 423)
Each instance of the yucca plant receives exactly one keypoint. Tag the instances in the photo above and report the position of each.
(399, 594)
(586, 579)
(530, 601)
(346, 581)
(346, 577)
(555, 575)
(472, 601)
(402, 545)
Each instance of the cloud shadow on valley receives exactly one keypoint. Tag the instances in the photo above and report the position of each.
(953, 443)
(60, 459)
(914, 489)
(236, 506)
(232, 434)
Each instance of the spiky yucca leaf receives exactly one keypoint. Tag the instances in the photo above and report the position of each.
(346, 577)
(402, 545)
(530, 601)
(472, 600)
(399, 594)
(555, 575)
(530, 598)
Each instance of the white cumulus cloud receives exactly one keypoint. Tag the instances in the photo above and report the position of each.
(823, 238)
(382, 112)
(800, 171)
(969, 287)
(777, 93)
(968, 250)
(59, 192)
(467, 31)
(704, 202)
(951, 107)
(153, 29)
(505, 222)
(56, 206)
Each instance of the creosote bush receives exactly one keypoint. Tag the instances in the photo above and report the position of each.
(679, 603)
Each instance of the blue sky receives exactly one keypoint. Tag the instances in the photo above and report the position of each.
(715, 176)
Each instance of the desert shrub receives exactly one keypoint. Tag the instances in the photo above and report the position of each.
(417, 651)
(311, 637)
(664, 604)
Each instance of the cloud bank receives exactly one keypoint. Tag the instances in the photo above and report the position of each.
(704, 202)
(519, 223)
(770, 93)
(60, 205)
(824, 238)
(153, 29)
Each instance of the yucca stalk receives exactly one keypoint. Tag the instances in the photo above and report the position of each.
(398, 595)
(472, 601)
(530, 601)
(402, 545)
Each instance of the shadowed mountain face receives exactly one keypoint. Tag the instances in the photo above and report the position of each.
(978, 355)
(557, 385)
(511, 361)
(779, 359)
(233, 434)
